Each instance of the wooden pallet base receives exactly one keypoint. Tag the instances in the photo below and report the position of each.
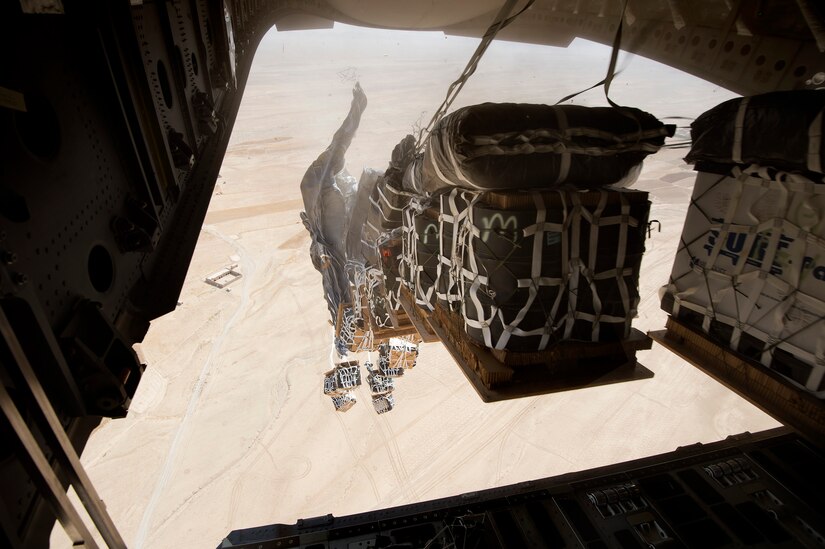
(754, 382)
(417, 316)
(569, 365)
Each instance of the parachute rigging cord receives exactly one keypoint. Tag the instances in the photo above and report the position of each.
(611, 67)
(501, 20)
(612, 73)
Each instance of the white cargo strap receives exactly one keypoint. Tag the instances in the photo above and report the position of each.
(773, 226)
(380, 189)
(451, 214)
(738, 130)
(408, 248)
(423, 297)
(466, 249)
(619, 272)
(815, 144)
(575, 266)
(432, 161)
(532, 285)
(564, 165)
(444, 261)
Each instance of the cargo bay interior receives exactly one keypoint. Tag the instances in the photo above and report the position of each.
(116, 121)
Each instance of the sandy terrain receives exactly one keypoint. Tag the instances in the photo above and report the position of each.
(229, 428)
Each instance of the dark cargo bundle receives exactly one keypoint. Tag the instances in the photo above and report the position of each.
(778, 129)
(385, 216)
(355, 232)
(421, 254)
(389, 202)
(538, 268)
(431, 239)
(390, 251)
(386, 201)
(521, 146)
(453, 211)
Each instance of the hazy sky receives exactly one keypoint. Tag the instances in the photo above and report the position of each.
(587, 61)
(320, 67)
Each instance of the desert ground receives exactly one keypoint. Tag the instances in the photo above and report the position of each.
(229, 428)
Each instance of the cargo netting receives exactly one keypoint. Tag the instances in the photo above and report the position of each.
(526, 270)
(750, 270)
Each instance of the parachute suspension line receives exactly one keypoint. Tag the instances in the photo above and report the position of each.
(611, 67)
(501, 20)
(611, 73)
(614, 56)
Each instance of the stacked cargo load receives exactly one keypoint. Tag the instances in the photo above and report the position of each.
(387, 369)
(420, 265)
(750, 270)
(531, 245)
(349, 330)
(453, 210)
(383, 403)
(343, 403)
(339, 384)
(379, 384)
(344, 377)
(399, 353)
(382, 232)
(539, 268)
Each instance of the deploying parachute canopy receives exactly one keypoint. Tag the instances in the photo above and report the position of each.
(329, 196)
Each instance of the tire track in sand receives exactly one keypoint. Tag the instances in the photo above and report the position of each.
(475, 449)
(181, 432)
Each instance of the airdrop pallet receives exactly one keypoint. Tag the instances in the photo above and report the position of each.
(751, 380)
(417, 316)
(502, 375)
(401, 326)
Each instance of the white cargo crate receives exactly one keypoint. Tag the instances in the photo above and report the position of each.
(750, 270)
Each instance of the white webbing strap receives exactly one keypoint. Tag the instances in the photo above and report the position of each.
(443, 260)
(725, 227)
(594, 220)
(738, 130)
(471, 272)
(564, 165)
(563, 133)
(575, 265)
(386, 200)
(408, 265)
(535, 276)
(433, 161)
(559, 147)
(621, 259)
(815, 144)
(423, 297)
(447, 261)
(380, 210)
